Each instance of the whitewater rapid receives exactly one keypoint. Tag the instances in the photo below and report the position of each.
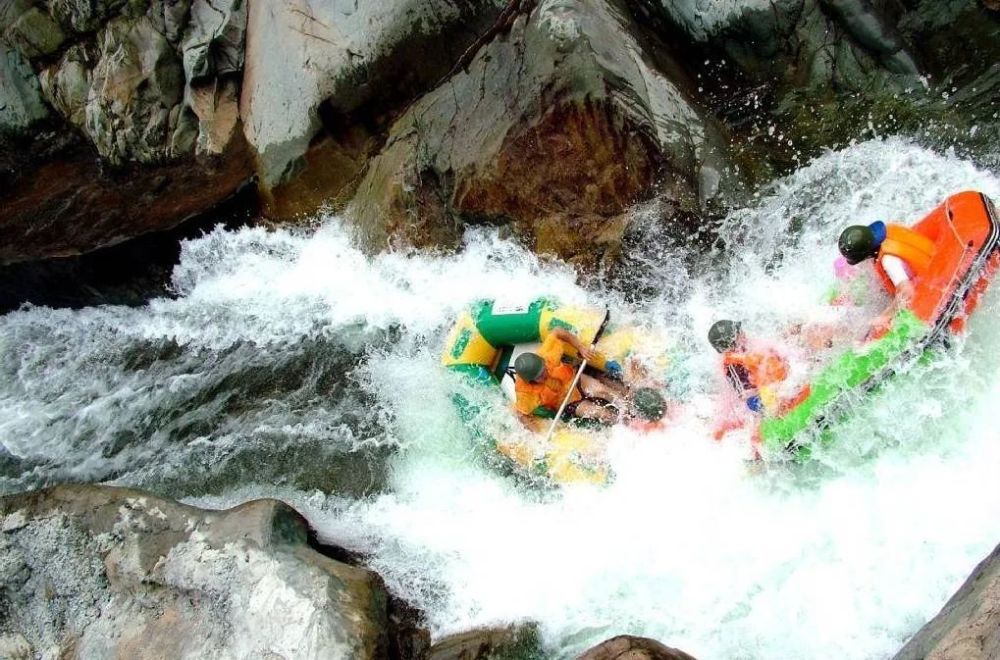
(294, 365)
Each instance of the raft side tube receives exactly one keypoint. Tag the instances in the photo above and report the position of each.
(967, 235)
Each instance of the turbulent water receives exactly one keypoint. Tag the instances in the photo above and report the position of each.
(295, 366)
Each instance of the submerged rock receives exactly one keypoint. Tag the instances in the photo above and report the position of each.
(968, 627)
(101, 572)
(626, 647)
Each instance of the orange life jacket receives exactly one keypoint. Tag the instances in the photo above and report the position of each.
(764, 367)
(909, 245)
(550, 392)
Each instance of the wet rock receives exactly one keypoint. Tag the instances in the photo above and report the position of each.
(633, 648)
(799, 43)
(517, 642)
(968, 627)
(944, 33)
(555, 126)
(68, 205)
(102, 572)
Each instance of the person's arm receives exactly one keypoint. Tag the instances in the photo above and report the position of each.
(565, 335)
(896, 270)
(530, 422)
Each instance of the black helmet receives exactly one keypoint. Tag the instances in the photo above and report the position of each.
(722, 335)
(857, 243)
(649, 403)
(529, 366)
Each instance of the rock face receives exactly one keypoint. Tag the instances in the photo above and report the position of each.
(421, 117)
(556, 126)
(968, 627)
(633, 648)
(109, 106)
(97, 572)
(319, 75)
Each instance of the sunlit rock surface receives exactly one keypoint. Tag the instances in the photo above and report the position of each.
(98, 572)
(319, 74)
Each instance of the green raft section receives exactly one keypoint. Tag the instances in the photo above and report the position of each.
(852, 371)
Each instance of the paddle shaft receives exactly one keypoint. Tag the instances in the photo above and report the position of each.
(576, 378)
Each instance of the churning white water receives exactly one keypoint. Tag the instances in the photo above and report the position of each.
(285, 356)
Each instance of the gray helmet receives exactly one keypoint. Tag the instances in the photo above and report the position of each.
(857, 243)
(649, 403)
(722, 335)
(529, 366)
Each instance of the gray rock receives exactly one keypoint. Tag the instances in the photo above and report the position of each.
(213, 51)
(136, 82)
(569, 90)
(213, 39)
(66, 85)
(968, 627)
(101, 572)
(300, 55)
(21, 103)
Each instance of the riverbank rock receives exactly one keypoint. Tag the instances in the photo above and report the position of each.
(99, 572)
(626, 647)
(968, 627)
(116, 119)
(516, 642)
(556, 126)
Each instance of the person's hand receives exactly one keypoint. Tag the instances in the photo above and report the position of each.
(588, 353)
(755, 404)
(881, 326)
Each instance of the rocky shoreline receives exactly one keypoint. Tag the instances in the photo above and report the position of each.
(97, 571)
(414, 117)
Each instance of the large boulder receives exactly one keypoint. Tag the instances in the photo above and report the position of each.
(968, 627)
(135, 105)
(320, 75)
(557, 125)
(98, 572)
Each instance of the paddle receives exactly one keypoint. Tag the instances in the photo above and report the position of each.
(576, 378)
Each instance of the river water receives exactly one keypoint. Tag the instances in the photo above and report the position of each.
(293, 365)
